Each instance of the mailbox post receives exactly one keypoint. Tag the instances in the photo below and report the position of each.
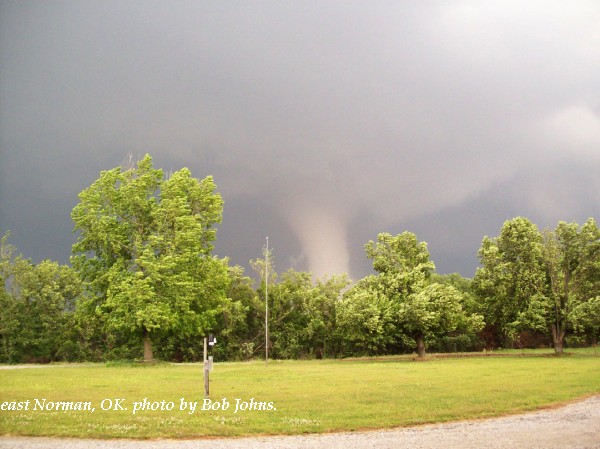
(208, 362)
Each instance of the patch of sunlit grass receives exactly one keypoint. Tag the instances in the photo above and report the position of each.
(306, 396)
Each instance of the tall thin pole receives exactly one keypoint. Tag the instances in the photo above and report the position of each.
(267, 304)
(206, 381)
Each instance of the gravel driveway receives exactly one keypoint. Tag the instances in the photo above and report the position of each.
(572, 426)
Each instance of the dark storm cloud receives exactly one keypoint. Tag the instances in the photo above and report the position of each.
(323, 123)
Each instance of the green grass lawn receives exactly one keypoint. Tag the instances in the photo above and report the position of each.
(307, 396)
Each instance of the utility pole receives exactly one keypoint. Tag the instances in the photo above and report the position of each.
(267, 304)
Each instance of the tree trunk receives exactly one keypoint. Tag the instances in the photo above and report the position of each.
(148, 354)
(558, 337)
(420, 345)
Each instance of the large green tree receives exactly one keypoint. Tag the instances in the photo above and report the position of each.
(512, 279)
(424, 308)
(537, 281)
(572, 256)
(144, 252)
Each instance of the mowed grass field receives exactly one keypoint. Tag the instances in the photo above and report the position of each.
(306, 396)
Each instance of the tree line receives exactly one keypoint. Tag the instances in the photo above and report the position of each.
(143, 283)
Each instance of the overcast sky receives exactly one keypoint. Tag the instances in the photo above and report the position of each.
(323, 122)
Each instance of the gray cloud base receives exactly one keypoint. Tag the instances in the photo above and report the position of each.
(323, 124)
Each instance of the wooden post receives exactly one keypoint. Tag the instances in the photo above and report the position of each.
(206, 381)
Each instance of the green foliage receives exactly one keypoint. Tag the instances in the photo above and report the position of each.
(37, 303)
(144, 253)
(238, 319)
(320, 332)
(421, 307)
(579, 276)
(400, 254)
(366, 321)
(586, 317)
(144, 256)
(540, 282)
(436, 310)
(302, 315)
(302, 312)
(512, 278)
(289, 314)
(469, 300)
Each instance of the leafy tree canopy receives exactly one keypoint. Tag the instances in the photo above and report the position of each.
(144, 251)
(422, 308)
(537, 281)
